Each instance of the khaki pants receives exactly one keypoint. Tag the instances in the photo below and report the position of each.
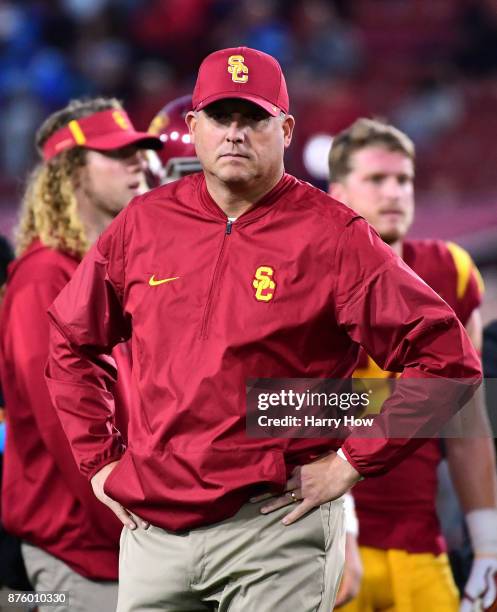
(248, 563)
(47, 573)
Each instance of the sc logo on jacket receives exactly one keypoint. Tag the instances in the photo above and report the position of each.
(264, 284)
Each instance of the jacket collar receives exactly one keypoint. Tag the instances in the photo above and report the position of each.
(260, 208)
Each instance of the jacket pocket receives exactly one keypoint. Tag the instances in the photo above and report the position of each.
(332, 517)
(230, 468)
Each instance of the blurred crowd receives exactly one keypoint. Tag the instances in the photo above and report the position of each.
(426, 66)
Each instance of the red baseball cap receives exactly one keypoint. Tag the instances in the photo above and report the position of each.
(241, 72)
(106, 130)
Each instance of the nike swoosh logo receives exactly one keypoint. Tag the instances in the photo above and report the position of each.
(153, 282)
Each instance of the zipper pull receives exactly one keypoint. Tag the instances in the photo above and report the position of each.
(229, 224)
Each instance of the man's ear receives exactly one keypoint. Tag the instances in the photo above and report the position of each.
(191, 122)
(336, 191)
(288, 125)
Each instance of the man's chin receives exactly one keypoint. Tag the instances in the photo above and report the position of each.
(235, 178)
(392, 236)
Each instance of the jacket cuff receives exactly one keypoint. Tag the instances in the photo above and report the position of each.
(343, 453)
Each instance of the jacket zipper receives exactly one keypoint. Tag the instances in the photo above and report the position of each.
(214, 282)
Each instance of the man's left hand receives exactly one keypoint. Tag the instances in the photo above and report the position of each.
(312, 485)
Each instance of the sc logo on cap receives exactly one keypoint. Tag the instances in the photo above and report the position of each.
(237, 69)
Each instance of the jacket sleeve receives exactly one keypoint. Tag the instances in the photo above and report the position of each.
(87, 321)
(406, 327)
(27, 336)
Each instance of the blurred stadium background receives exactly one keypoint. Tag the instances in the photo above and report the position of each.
(428, 66)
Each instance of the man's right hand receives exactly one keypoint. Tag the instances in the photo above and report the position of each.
(97, 483)
(352, 572)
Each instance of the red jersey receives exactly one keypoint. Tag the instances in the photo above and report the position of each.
(397, 510)
(45, 499)
(287, 291)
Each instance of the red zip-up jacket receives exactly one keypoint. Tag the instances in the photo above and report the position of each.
(288, 290)
(45, 499)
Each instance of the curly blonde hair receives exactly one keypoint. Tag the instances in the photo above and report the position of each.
(49, 208)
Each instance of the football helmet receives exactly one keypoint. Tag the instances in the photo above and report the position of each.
(178, 156)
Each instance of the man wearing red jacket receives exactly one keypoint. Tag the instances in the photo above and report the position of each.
(238, 272)
(92, 165)
(402, 547)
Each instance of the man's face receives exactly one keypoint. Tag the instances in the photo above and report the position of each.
(111, 179)
(380, 187)
(238, 142)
